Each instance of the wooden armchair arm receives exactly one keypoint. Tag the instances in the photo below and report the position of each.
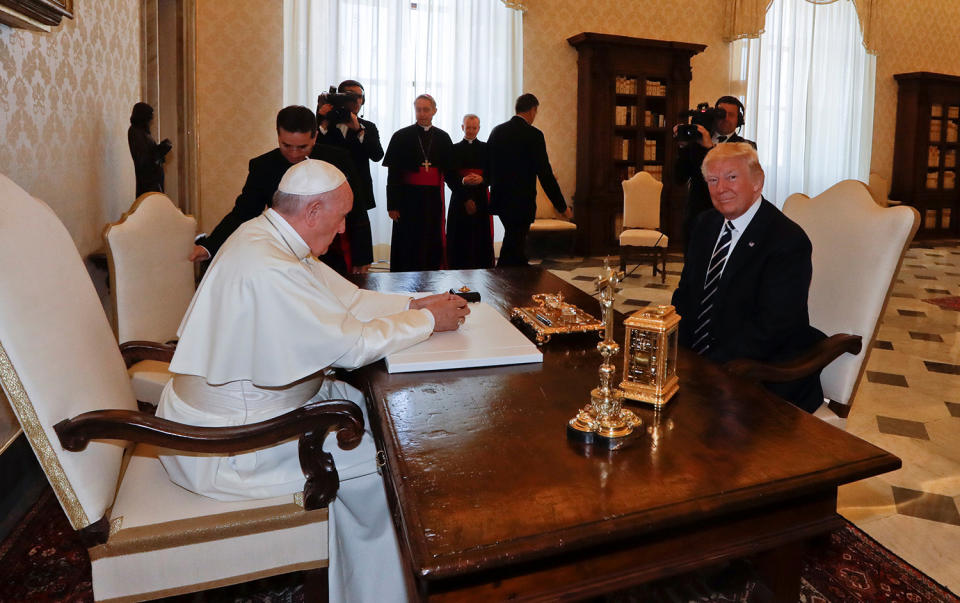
(135, 351)
(814, 359)
(311, 421)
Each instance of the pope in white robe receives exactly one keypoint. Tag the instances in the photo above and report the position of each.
(266, 324)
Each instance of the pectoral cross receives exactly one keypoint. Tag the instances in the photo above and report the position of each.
(426, 165)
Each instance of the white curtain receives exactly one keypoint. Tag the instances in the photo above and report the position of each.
(808, 87)
(467, 54)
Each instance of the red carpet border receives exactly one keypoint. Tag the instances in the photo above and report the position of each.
(43, 560)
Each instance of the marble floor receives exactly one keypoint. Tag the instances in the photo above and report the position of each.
(908, 403)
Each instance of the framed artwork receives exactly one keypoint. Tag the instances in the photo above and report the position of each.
(39, 15)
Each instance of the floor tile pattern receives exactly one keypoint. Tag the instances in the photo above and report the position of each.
(907, 403)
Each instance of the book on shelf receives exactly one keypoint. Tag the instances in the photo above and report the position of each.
(951, 131)
(655, 88)
(649, 150)
(625, 85)
(621, 148)
(933, 157)
(953, 111)
(949, 179)
(654, 170)
(621, 115)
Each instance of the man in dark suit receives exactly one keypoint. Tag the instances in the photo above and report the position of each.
(296, 135)
(691, 153)
(469, 224)
(746, 275)
(518, 156)
(362, 140)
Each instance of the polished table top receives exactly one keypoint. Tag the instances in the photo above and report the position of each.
(483, 475)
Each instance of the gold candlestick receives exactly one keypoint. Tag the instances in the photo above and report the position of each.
(604, 418)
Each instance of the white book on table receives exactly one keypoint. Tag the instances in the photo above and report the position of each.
(487, 338)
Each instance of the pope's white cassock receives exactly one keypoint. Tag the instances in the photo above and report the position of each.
(264, 327)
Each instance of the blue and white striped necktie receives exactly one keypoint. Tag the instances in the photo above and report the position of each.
(701, 333)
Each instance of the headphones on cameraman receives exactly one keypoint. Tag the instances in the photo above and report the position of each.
(732, 100)
(350, 84)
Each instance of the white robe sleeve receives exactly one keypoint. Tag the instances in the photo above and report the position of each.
(262, 317)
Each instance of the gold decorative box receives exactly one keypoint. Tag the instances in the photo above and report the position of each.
(552, 316)
(650, 355)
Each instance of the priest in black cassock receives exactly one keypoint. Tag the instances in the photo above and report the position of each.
(469, 223)
(416, 158)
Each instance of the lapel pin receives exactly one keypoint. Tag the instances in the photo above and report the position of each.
(750, 243)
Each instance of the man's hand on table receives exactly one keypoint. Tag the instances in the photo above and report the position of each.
(449, 310)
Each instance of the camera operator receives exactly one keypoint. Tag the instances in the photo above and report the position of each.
(340, 126)
(693, 149)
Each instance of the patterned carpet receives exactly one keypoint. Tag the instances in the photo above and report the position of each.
(43, 560)
(947, 303)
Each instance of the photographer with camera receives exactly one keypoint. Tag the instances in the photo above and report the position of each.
(708, 127)
(339, 125)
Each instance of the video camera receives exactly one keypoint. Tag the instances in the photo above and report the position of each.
(342, 103)
(704, 115)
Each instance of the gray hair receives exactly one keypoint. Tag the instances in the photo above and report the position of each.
(469, 116)
(426, 97)
(291, 204)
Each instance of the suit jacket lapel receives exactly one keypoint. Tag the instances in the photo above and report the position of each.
(749, 244)
(714, 224)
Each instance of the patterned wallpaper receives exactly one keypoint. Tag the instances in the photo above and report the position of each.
(550, 64)
(65, 100)
(916, 36)
(239, 91)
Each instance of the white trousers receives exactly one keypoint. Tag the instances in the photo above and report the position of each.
(365, 561)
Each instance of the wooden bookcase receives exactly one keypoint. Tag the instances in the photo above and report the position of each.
(630, 93)
(926, 158)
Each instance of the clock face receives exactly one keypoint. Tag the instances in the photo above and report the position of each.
(642, 358)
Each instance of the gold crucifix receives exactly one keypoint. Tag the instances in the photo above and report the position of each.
(426, 165)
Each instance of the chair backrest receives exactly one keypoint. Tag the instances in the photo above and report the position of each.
(151, 275)
(58, 357)
(545, 209)
(641, 201)
(858, 247)
(879, 189)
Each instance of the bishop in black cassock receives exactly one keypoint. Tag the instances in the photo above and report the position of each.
(469, 223)
(416, 158)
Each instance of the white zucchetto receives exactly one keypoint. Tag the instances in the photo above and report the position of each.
(311, 177)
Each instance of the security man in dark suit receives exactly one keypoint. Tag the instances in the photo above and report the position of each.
(746, 275)
(296, 137)
(518, 156)
(690, 157)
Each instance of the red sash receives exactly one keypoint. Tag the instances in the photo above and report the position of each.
(423, 177)
(431, 176)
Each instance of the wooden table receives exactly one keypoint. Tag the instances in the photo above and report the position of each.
(492, 501)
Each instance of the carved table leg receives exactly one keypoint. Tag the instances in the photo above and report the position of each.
(780, 571)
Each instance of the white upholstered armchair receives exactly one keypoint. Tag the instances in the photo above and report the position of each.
(62, 371)
(858, 247)
(641, 237)
(152, 283)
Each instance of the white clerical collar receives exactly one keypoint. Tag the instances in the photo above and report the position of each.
(297, 245)
(470, 140)
(426, 128)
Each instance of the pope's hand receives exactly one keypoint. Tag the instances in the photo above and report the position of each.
(449, 310)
